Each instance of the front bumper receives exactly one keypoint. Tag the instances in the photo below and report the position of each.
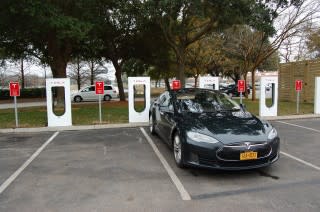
(227, 157)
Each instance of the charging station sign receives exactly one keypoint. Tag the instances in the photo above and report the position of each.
(14, 89)
(176, 85)
(100, 87)
(298, 85)
(241, 86)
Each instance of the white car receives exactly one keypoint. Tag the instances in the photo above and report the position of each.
(89, 94)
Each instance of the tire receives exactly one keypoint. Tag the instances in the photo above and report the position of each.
(106, 98)
(178, 151)
(77, 99)
(152, 125)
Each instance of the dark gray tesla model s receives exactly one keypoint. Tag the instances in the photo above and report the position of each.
(206, 128)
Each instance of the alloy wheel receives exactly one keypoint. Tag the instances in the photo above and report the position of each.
(177, 149)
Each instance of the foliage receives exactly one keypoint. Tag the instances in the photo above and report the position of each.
(313, 43)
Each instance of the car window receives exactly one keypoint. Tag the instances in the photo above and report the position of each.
(107, 87)
(92, 88)
(205, 101)
(85, 89)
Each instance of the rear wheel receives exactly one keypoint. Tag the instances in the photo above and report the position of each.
(178, 151)
(77, 99)
(107, 98)
(151, 125)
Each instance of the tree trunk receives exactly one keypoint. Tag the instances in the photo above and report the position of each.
(22, 74)
(118, 74)
(92, 72)
(78, 74)
(196, 80)
(59, 53)
(245, 80)
(181, 59)
(253, 85)
(166, 81)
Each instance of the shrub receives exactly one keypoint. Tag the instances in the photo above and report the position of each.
(24, 93)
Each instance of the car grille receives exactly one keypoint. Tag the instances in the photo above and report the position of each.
(232, 152)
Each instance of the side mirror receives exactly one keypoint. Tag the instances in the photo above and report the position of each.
(243, 107)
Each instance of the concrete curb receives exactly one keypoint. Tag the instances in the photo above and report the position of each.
(72, 128)
(130, 125)
(275, 118)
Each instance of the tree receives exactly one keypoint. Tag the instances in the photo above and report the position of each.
(313, 43)
(77, 73)
(184, 22)
(50, 30)
(291, 17)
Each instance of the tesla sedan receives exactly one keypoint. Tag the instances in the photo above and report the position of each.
(206, 128)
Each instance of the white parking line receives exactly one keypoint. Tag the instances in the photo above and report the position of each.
(183, 192)
(300, 160)
(307, 128)
(5, 185)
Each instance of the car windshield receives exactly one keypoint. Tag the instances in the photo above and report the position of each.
(203, 101)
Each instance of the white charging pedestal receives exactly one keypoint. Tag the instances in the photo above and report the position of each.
(65, 119)
(264, 110)
(135, 116)
(317, 95)
(209, 83)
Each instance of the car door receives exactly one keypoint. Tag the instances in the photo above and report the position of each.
(166, 113)
(92, 93)
(86, 93)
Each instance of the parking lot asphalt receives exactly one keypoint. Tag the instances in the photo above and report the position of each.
(127, 169)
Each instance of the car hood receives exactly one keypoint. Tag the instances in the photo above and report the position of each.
(229, 127)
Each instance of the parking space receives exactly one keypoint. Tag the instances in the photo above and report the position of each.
(118, 170)
(301, 138)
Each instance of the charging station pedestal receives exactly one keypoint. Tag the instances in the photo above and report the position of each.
(264, 110)
(209, 83)
(317, 95)
(136, 86)
(65, 119)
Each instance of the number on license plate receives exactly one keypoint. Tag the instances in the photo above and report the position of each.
(248, 155)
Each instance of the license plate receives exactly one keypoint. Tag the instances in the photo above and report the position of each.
(248, 155)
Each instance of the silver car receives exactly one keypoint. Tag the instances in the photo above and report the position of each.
(89, 94)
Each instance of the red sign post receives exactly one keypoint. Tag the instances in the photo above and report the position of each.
(100, 87)
(298, 85)
(100, 90)
(14, 89)
(176, 85)
(241, 86)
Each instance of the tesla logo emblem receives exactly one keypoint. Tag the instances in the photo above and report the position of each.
(247, 144)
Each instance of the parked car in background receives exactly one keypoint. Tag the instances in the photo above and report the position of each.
(89, 94)
(232, 90)
(205, 128)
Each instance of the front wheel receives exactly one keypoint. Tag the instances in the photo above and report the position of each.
(178, 151)
(151, 125)
(77, 99)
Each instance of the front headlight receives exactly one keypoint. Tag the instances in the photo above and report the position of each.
(201, 138)
(272, 134)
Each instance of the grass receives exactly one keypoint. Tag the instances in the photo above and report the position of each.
(115, 112)
(82, 114)
(284, 107)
